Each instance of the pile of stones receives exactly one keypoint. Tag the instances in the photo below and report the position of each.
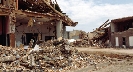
(51, 56)
(81, 43)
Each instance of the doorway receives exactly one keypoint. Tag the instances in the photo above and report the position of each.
(3, 30)
(123, 40)
(30, 36)
(49, 38)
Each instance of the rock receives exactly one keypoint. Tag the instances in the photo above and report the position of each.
(7, 58)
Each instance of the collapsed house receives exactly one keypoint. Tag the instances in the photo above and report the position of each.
(100, 36)
(122, 32)
(117, 33)
(77, 38)
(23, 20)
(75, 34)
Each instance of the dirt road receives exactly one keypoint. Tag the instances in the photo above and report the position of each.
(107, 50)
(121, 60)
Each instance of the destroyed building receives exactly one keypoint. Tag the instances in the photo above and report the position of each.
(23, 20)
(117, 33)
(100, 36)
(122, 32)
(75, 34)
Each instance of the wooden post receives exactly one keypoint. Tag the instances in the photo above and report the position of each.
(12, 40)
(59, 29)
(16, 4)
(12, 19)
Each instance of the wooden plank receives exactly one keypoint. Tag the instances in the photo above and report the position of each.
(3, 14)
(33, 14)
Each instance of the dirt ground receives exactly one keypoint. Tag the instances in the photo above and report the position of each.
(120, 60)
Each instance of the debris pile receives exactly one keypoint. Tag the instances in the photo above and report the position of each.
(101, 35)
(81, 43)
(50, 56)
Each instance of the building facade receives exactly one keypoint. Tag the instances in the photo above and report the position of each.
(122, 32)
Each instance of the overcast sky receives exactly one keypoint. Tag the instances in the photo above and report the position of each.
(90, 14)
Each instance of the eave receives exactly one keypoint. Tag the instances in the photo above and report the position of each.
(122, 19)
(51, 16)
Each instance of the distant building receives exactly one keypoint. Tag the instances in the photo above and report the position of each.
(90, 35)
(75, 34)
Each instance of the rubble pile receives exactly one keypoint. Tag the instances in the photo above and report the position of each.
(101, 35)
(51, 56)
(81, 43)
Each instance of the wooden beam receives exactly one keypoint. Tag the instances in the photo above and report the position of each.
(37, 15)
(3, 14)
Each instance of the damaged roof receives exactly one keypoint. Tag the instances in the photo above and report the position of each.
(45, 8)
(122, 19)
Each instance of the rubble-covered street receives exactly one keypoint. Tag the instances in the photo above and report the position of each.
(58, 56)
(51, 56)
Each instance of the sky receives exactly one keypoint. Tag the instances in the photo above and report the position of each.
(90, 14)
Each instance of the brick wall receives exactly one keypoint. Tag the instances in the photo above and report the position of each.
(120, 36)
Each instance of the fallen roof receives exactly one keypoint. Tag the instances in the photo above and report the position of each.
(44, 7)
(66, 19)
(122, 19)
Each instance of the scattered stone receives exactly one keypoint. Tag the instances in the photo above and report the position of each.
(47, 56)
(50, 56)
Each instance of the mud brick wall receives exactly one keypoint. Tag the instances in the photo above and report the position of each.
(120, 36)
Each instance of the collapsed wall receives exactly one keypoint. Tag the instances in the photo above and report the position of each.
(101, 35)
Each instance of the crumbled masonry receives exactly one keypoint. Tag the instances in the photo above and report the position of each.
(51, 56)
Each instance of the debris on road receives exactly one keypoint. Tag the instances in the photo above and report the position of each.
(46, 56)
(50, 56)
